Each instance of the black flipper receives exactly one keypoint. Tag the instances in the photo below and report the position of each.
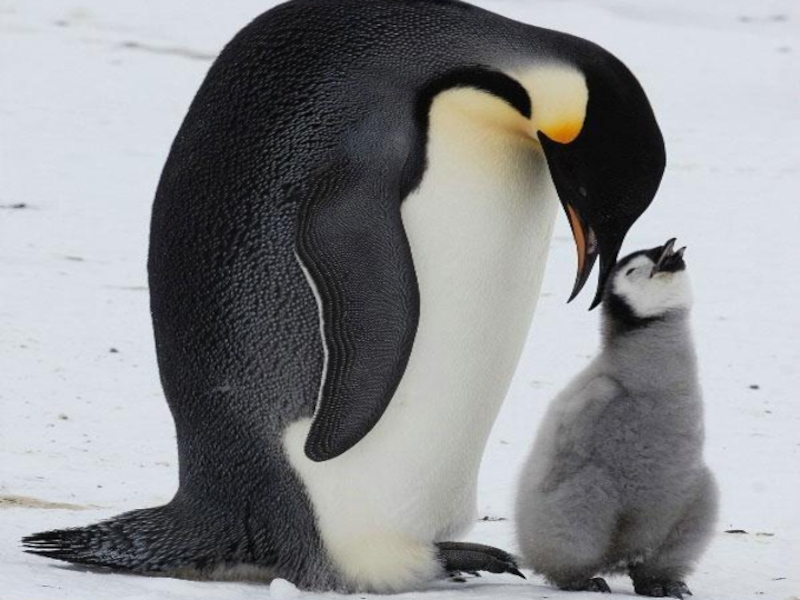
(352, 243)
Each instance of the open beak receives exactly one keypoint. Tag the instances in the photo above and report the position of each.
(586, 245)
(669, 260)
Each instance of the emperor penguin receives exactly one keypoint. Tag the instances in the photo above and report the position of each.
(616, 480)
(347, 244)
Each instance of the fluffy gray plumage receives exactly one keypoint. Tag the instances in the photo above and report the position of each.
(616, 480)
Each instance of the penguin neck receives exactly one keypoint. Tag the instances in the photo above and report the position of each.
(658, 352)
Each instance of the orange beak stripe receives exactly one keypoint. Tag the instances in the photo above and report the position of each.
(564, 132)
(579, 235)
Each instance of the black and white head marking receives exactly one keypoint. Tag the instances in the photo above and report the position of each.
(648, 285)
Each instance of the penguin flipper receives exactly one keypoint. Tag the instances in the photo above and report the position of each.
(353, 246)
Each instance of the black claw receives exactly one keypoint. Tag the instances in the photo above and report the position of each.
(515, 571)
(598, 584)
(595, 584)
(677, 589)
(661, 588)
(458, 576)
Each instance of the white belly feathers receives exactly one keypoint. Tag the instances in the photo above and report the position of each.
(479, 227)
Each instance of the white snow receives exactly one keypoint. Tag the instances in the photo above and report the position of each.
(91, 94)
(283, 590)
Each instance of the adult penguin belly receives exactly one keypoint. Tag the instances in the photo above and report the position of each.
(479, 227)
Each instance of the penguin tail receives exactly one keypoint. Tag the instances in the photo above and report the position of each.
(151, 540)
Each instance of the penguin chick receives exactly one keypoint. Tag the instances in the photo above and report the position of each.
(616, 480)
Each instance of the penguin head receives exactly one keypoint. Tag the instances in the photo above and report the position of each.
(592, 121)
(607, 170)
(648, 285)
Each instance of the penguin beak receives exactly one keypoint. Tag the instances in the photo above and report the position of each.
(598, 225)
(585, 244)
(589, 249)
(608, 259)
(669, 261)
(588, 243)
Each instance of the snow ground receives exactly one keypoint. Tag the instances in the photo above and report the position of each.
(91, 94)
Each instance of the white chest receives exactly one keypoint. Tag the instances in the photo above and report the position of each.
(479, 228)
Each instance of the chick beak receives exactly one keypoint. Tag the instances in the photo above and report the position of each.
(669, 259)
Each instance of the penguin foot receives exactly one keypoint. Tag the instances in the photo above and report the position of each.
(661, 588)
(595, 584)
(459, 576)
(463, 557)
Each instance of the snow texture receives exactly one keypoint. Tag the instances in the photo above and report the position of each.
(280, 589)
(91, 94)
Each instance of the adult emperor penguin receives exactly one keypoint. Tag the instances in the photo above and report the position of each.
(347, 245)
(616, 480)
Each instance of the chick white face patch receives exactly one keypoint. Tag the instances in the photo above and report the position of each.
(648, 294)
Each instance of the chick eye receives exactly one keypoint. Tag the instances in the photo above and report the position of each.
(630, 271)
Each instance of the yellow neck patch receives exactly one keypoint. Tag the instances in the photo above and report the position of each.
(563, 132)
(558, 96)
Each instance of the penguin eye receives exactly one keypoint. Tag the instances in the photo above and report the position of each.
(630, 271)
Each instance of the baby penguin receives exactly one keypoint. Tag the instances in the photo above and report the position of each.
(616, 480)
